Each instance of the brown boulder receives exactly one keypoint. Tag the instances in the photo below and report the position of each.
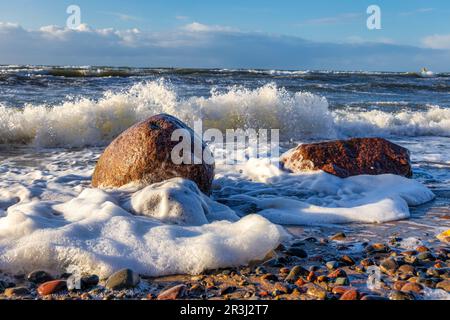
(345, 158)
(142, 154)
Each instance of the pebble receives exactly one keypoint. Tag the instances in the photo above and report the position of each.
(316, 291)
(412, 287)
(407, 269)
(295, 272)
(398, 285)
(399, 295)
(297, 252)
(351, 294)
(16, 291)
(367, 262)
(444, 285)
(331, 265)
(39, 276)
(340, 236)
(347, 260)
(260, 270)
(340, 289)
(422, 249)
(123, 279)
(51, 287)
(388, 265)
(172, 293)
(425, 256)
(341, 281)
(337, 273)
(378, 248)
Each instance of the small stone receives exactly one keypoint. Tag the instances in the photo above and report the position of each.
(123, 279)
(367, 262)
(337, 273)
(51, 287)
(311, 276)
(388, 265)
(422, 249)
(412, 287)
(331, 265)
(172, 293)
(444, 285)
(347, 260)
(16, 291)
(300, 282)
(284, 271)
(406, 269)
(39, 276)
(340, 289)
(399, 295)
(89, 281)
(377, 248)
(260, 270)
(295, 272)
(340, 236)
(425, 256)
(316, 291)
(297, 252)
(225, 290)
(341, 281)
(398, 285)
(351, 294)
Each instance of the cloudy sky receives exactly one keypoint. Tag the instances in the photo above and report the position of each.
(286, 34)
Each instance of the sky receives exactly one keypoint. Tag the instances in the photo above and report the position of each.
(283, 34)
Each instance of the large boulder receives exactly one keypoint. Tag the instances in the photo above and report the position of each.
(344, 158)
(142, 154)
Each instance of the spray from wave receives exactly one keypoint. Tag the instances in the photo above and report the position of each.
(299, 116)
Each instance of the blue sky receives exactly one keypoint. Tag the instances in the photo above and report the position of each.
(275, 34)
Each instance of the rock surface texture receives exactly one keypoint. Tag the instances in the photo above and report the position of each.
(142, 154)
(345, 158)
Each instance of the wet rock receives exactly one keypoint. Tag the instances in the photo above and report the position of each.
(425, 256)
(444, 285)
(399, 295)
(398, 285)
(388, 265)
(51, 287)
(142, 154)
(89, 281)
(172, 293)
(260, 270)
(422, 249)
(39, 276)
(331, 265)
(341, 281)
(297, 252)
(351, 294)
(406, 269)
(412, 287)
(377, 248)
(345, 158)
(16, 291)
(340, 289)
(337, 273)
(316, 291)
(347, 260)
(123, 279)
(296, 272)
(340, 236)
(367, 262)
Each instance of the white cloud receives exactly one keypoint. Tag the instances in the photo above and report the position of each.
(199, 27)
(437, 41)
(417, 11)
(201, 45)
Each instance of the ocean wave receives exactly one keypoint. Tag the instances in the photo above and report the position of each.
(301, 115)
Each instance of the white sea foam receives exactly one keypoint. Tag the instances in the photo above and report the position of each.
(87, 122)
(94, 232)
(317, 198)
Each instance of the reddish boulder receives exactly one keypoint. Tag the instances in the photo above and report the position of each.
(345, 158)
(142, 154)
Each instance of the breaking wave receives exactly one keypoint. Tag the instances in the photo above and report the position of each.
(301, 115)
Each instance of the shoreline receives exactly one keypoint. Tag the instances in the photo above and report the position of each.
(322, 264)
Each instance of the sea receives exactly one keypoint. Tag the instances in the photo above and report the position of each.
(55, 122)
